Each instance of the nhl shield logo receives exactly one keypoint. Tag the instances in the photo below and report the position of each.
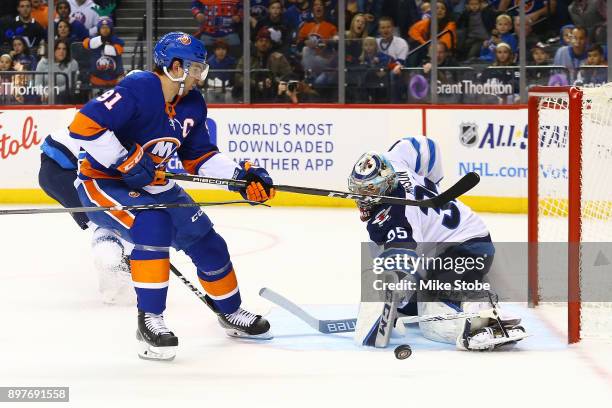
(134, 194)
(468, 134)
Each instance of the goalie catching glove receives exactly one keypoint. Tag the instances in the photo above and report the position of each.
(259, 186)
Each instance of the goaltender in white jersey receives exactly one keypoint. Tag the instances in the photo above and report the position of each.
(411, 169)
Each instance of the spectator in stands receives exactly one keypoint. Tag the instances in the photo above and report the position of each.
(540, 73)
(443, 57)
(63, 32)
(22, 54)
(63, 63)
(77, 29)
(575, 54)
(220, 60)
(474, 26)
(218, 20)
(259, 10)
(319, 61)
(374, 71)
(279, 29)
(40, 13)
(420, 31)
(592, 71)
(565, 37)
(354, 37)
(390, 44)
(292, 90)
(297, 14)
(425, 10)
(445, 76)
(106, 49)
(24, 26)
(501, 33)
(540, 55)
(503, 82)
(318, 27)
(6, 80)
(84, 11)
(397, 48)
(532, 38)
(266, 69)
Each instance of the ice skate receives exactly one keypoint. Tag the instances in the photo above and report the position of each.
(155, 340)
(242, 323)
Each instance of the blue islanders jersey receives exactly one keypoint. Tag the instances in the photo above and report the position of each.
(135, 112)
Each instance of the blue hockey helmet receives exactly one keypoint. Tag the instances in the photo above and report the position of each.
(184, 47)
(372, 174)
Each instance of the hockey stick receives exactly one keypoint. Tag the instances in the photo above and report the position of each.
(348, 325)
(124, 207)
(322, 326)
(190, 285)
(465, 184)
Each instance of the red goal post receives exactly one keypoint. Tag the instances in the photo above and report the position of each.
(564, 205)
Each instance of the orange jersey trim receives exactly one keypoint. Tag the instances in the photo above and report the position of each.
(85, 126)
(101, 199)
(150, 271)
(90, 172)
(191, 165)
(221, 287)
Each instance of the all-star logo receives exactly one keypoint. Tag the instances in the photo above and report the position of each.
(382, 216)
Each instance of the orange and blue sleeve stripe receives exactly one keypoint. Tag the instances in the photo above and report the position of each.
(85, 128)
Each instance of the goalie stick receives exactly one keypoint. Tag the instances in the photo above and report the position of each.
(124, 207)
(465, 184)
(348, 325)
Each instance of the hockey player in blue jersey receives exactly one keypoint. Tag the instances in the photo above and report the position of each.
(128, 134)
(412, 169)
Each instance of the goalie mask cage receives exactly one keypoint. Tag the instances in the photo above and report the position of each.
(570, 203)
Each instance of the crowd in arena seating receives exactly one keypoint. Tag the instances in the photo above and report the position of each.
(79, 26)
(388, 51)
(295, 48)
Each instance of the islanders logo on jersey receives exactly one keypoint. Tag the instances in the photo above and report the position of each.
(184, 39)
(105, 63)
(80, 17)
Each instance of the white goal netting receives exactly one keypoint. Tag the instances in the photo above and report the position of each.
(595, 217)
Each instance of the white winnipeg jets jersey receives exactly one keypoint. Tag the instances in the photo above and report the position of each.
(454, 222)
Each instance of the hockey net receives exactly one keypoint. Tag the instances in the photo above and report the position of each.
(570, 205)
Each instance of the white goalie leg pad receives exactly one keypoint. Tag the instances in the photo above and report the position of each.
(443, 331)
(149, 352)
(111, 261)
(376, 320)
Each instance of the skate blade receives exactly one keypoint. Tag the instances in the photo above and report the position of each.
(241, 335)
(149, 352)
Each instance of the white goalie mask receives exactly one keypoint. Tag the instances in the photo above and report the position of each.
(372, 174)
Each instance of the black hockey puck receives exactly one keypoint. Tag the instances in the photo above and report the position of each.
(402, 352)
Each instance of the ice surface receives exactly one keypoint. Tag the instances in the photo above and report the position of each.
(56, 331)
